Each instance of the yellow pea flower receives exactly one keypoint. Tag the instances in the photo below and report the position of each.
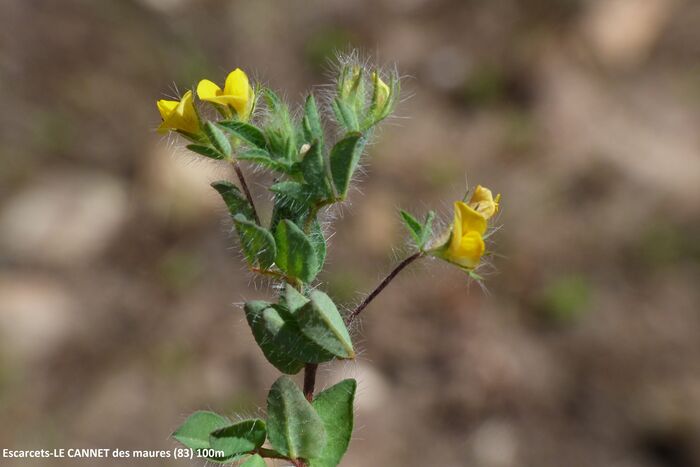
(466, 242)
(178, 115)
(237, 93)
(483, 202)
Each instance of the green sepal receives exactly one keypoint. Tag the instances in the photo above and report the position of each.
(280, 132)
(263, 332)
(218, 139)
(345, 115)
(296, 255)
(206, 151)
(239, 438)
(313, 168)
(311, 123)
(344, 158)
(254, 461)
(235, 201)
(335, 407)
(293, 426)
(246, 132)
(257, 243)
(321, 322)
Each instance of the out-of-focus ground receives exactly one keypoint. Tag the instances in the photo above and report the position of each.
(119, 283)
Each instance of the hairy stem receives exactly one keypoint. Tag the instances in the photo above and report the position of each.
(244, 185)
(351, 317)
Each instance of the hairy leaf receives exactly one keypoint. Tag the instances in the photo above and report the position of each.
(239, 438)
(294, 428)
(335, 407)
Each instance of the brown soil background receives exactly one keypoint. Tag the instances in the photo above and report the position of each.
(120, 283)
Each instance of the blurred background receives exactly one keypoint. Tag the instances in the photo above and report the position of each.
(120, 283)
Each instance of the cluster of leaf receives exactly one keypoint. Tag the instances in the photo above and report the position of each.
(317, 431)
(303, 326)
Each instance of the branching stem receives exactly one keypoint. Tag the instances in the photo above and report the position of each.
(311, 368)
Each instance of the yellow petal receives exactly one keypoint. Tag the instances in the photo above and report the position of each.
(483, 202)
(237, 84)
(469, 219)
(180, 116)
(207, 90)
(467, 252)
(166, 107)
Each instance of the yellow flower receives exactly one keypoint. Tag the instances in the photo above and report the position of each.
(483, 202)
(178, 115)
(466, 243)
(237, 93)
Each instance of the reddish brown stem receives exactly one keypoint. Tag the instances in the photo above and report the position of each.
(244, 185)
(310, 380)
(351, 317)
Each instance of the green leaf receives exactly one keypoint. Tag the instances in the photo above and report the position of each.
(257, 243)
(313, 167)
(205, 151)
(345, 114)
(335, 407)
(294, 428)
(321, 322)
(313, 129)
(293, 192)
(254, 461)
(319, 242)
(245, 132)
(218, 139)
(289, 339)
(239, 438)
(344, 158)
(293, 299)
(235, 201)
(427, 228)
(284, 209)
(414, 227)
(194, 433)
(263, 328)
(262, 157)
(296, 255)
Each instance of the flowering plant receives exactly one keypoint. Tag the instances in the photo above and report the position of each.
(302, 328)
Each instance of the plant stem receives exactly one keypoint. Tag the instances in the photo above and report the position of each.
(270, 453)
(244, 185)
(310, 380)
(311, 368)
(382, 285)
